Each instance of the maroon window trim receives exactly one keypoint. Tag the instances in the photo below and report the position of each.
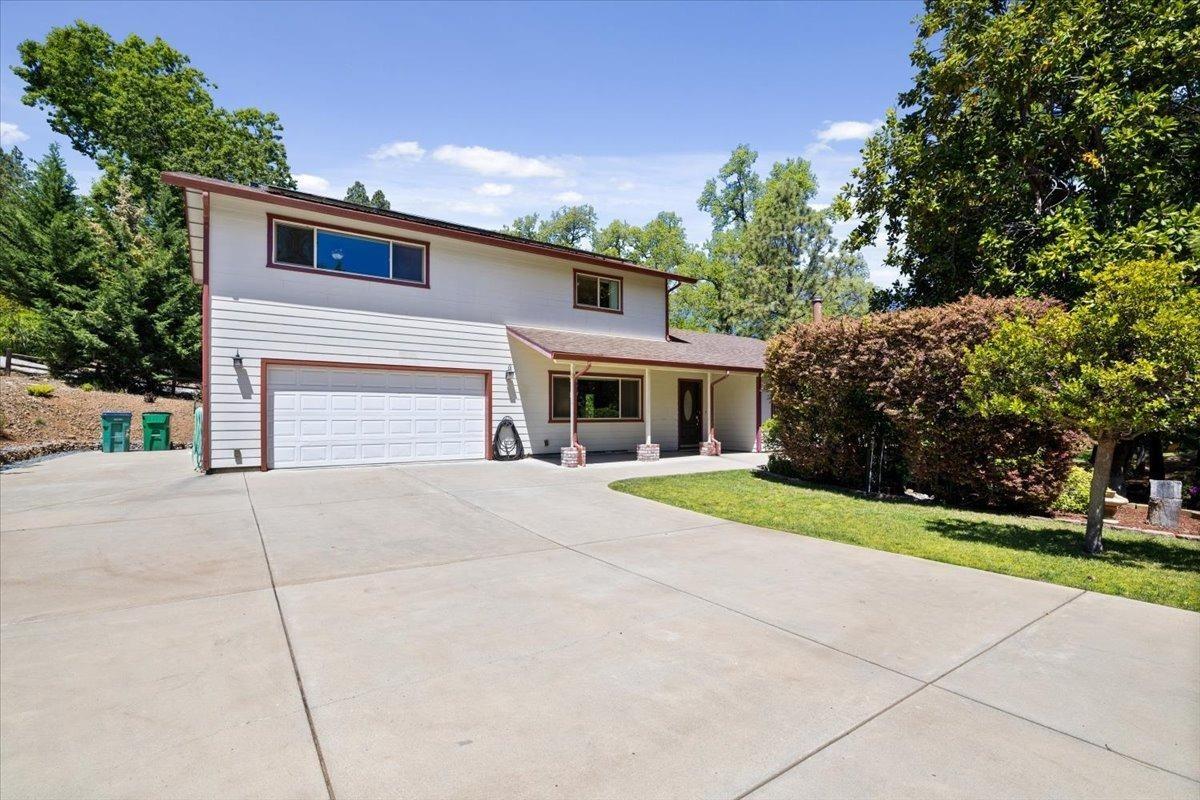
(575, 273)
(552, 374)
(308, 223)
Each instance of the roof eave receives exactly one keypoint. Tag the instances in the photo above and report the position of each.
(650, 362)
(189, 181)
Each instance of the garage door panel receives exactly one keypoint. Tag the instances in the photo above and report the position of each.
(362, 416)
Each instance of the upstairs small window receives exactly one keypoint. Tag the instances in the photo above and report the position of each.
(349, 253)
(597, 292)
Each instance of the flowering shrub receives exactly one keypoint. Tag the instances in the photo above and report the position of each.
(881, 399)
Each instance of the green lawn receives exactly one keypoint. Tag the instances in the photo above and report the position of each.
(1157, 569)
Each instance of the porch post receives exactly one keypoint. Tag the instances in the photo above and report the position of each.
(646, 407)
(649, 450)
(707, 407)
(758, 413)
(710, 446)
(572, 455)
(574, 439)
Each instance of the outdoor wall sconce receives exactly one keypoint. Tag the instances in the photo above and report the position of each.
(237, 359)
(509, 373)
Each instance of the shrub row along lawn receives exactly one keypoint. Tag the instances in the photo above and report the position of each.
(1156, 569)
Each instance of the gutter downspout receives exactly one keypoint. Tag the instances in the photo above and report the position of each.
(667, 308)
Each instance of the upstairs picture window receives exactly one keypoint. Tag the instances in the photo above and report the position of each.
(597, 398)
(597, 292)
(347, 253)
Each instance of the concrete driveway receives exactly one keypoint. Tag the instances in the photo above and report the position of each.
(488, 630)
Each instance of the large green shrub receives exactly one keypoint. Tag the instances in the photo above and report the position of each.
(1074, 496)
(881, 399)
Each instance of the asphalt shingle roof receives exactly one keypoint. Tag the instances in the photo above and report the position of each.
(684, 349)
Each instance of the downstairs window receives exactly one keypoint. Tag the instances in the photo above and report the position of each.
(609, 398)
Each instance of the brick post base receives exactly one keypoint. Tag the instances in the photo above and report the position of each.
(710, 448)
(647, 452)
(573, 456)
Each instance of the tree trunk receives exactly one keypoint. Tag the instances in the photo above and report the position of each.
(1092, 543)
(1120, 461)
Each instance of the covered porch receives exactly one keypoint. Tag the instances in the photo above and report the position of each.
(627, 403)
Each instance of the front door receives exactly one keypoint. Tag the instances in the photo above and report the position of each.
(691, 416)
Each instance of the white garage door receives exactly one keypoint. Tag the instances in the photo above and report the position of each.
(323, 417)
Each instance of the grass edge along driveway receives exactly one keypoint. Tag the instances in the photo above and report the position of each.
(1157, 569)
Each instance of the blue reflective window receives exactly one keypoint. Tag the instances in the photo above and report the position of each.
(341, 252)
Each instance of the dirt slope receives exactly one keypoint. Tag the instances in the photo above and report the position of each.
(70, 420)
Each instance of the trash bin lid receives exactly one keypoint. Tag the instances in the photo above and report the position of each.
(125, 415)
(156, 416)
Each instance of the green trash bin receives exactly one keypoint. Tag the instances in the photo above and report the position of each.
(156, 430)
(114, 431)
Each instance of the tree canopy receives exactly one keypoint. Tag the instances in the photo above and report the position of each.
(106, 274)
(357, 193)
(1037, 140)
(1124, 361)
(770, 254)
(570, 226)
(139, 107)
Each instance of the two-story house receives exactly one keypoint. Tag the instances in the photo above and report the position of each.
(337, 334)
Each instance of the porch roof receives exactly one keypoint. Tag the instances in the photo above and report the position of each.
(687, 349)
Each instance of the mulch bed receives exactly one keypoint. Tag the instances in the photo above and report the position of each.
(1136, 518)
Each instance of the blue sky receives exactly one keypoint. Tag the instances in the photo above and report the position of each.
(480, 112)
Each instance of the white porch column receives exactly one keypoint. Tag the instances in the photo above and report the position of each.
(710, 446)
(573, 441)
(646, 407)
(572, 455)
(649, 450)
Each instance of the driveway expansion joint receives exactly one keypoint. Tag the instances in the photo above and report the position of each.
(312, 729)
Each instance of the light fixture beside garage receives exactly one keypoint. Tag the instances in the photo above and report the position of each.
(510, 373)
(237, 359)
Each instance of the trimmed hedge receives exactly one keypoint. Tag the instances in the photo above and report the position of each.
(881, 398)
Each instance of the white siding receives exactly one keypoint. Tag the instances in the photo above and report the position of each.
(259, 329)
(468, 282)
(734, 404)
(475, 290)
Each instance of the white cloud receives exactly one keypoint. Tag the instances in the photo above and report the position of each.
(569, 197)
(490, 189)
(624, 186)
(486, 161)
(847, 131)
(469, 207)
(11, 134)
(411, 150)
(314, 184)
